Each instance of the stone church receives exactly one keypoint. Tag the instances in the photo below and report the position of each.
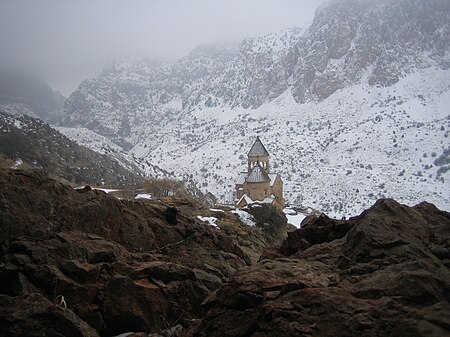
(258, 184)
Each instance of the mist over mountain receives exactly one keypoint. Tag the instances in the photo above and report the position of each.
(24, 93)
(349, 42)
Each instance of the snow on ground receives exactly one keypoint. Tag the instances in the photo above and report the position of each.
(145, 196)
(17, 163)
(18, 124)
(103, 145)
(210, 220)
(90, 139)
(293, 217)
(245, 217)
(337, 156)
(106, 190)
(296, 219)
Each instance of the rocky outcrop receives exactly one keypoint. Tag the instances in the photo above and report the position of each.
(87, 262)
(383, 273)
(373, 42)
(83, 263)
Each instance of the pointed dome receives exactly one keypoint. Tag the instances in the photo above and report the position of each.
(258, 175)
(258, 149)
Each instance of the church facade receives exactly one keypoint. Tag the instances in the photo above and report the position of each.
(258, 184)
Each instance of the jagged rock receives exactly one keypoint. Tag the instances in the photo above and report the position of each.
(119, 265)
(155, 294)
(378, 277)
(384, 272)
(315, 230)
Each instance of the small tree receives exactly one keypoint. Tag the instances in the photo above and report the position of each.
(160, 188)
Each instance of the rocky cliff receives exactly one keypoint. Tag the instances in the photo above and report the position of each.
(349, 42)
(373, 42)
(133, 94)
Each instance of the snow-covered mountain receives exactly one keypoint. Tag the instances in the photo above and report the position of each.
(354, 108)
(131, 96)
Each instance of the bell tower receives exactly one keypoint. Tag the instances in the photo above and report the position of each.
(258, 154)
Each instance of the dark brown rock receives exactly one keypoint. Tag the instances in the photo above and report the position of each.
(315, 230)
(382, 273)
(121, 266)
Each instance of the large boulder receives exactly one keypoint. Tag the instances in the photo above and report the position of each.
(383, 273)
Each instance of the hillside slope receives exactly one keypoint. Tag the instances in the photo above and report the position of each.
(24, 139)
(339, 155)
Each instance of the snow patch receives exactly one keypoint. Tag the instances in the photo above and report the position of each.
(210, 220)
(18, 124)
(17, 163)
(295, 219)
(144, 196)
(245, 217)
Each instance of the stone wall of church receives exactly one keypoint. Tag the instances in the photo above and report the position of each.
(257, 191)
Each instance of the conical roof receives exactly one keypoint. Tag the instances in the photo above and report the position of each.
(258, 149)
(258, 175)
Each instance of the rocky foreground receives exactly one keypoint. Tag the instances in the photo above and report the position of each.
(383, 273)
(82, 263)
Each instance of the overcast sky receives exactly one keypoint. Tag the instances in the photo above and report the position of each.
(66, 41)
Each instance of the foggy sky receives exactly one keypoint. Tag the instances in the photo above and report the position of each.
(66, 41)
